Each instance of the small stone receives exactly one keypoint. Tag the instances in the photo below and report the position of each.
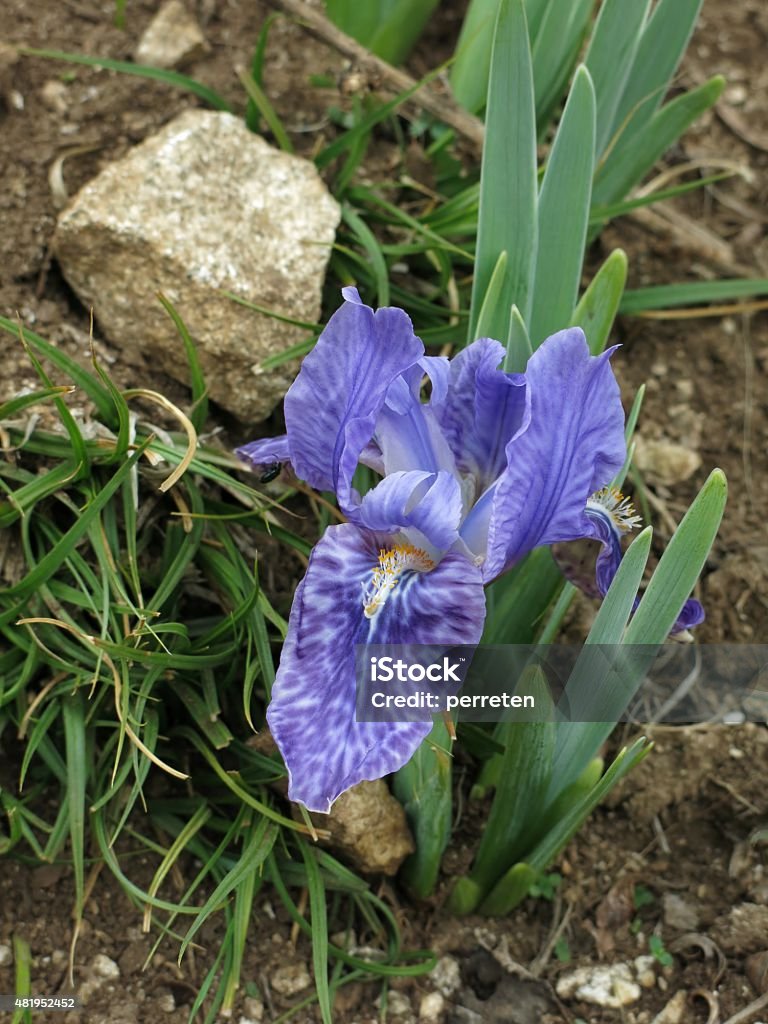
(446, 976)
(103, 967)
(736, 95)
(743, 930)
(666, 461)
(369, 827)
(679, 913)
(757, 971)
(254, 1008)
(166, 1002)
(167, 218)
(645, 966)
(344, 940)
(398, 1004)
(610, 986)
(55, 96)
(674, 1011)
(431, 1007)
(6, 956)
(173, 38)
(290, 979)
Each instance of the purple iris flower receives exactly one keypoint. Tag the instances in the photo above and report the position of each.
(493, 465)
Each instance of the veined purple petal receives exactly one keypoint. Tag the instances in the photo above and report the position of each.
(267, 451)
(482, 410)
(571, 444)
(312, 713)
(409, 436)
(332, 406)
(427, 502)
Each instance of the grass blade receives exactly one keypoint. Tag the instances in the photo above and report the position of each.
(126, 67)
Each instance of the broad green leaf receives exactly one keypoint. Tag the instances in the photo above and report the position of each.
(555, 51)
(630, 160)
(488, 315)
(507, 215)
(611, 53)
(423, 787)
(661, 48)
(519, 348)
(563, 213)
(472, 57)
(599, 304)
(516, 809)
(680, 565)
(397, 32)
(592, 691)
(511, 889)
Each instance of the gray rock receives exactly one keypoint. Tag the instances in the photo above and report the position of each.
(173, 38)
(201, 207)
(679, 913)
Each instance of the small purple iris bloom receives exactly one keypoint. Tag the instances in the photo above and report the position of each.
(493, 465)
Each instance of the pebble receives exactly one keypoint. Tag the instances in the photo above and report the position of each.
(431, 1007)
(645, 966)
(103, 967)
(6, 956)
(171, 39)
(611, 986)
(290, 979)
(254, 1008)
(666, 461)
(398, 1004)
(446, 976)
(166, 1002)
(679, 913)
(674, 1011)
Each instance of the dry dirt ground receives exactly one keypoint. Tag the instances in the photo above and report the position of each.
(679, 831)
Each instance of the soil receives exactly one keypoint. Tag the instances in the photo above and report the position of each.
(677, 834)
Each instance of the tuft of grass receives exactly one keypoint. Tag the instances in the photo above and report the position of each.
(137, 661)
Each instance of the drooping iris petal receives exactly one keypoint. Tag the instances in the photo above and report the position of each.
(332, 406)
(610, 517)
(428, 502)
(266, 451)
(571, 444)
(482, 411)
(312, 713)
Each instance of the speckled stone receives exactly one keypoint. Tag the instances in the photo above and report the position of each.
(172, 38)
(204, 206)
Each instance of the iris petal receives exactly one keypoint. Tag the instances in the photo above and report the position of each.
(312, 713)
(332, 406)
(266, 451)
(571, 443)
(428, 502)
(482, 410)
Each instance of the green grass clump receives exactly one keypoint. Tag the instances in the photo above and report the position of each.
(136, 660)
